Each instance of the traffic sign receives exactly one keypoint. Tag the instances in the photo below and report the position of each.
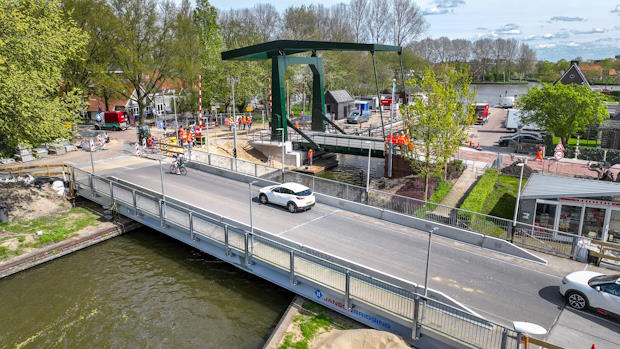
(91, 145)
(386, 102)
(559, 147)
(558, 155)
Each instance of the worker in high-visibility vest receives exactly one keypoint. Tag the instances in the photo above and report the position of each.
(180, 133)
(310, 156)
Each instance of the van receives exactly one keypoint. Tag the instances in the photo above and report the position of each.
(357, 116)
(113, 120)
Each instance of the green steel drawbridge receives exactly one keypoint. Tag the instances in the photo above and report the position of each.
(280, 52)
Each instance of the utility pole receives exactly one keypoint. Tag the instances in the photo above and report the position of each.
(428, 258)
(391, 142)
(232, 81)
(176, 122)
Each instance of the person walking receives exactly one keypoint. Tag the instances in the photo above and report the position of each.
(310, 152)
(249, 122)
(180, 134)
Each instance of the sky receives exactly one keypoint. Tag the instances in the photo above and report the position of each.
(554, 29)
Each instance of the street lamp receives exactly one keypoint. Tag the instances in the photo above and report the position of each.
(514, 220)
(282, 133)
(428, 257)
(251, 215)
(391, 142)
(368, 170)
(234, 81)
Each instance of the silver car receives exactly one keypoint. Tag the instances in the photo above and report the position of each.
(588, 289)
(357, 117)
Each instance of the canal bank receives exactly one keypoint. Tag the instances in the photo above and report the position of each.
(140, 289)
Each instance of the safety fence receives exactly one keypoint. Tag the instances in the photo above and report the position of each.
(310, 267)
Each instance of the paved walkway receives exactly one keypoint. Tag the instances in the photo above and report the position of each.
(460, 188)
(581, 329)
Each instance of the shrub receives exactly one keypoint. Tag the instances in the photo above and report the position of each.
(478, 195)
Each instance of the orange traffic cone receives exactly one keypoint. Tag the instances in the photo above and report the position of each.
(470, 145)
(478, 146)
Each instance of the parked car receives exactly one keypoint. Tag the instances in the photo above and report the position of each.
(588, 289)
(293, 196)
(521, 137)
(358, 117)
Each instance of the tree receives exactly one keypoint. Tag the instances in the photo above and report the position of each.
(408, 21)
(526, 60)
(438, 124)
(377, 22)
(267, 18)
(300, 23)
(563, 110)
(145, 47)
(358, 17)
(34, 106)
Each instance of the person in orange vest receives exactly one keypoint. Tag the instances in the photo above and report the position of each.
(539, 154)
(249, 121)
(310, 156)
(242, 121)
(180, 133)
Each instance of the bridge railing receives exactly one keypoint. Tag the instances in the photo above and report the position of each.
(314, 268)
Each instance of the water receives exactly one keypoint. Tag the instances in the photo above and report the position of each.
(349, 166)
(138, 290)
(490, 93)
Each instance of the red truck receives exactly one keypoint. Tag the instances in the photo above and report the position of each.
(113, 120)
(481, 113)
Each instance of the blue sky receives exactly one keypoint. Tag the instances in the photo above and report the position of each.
(555, 29)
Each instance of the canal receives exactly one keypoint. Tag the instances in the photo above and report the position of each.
(349, 166)
(141, 289)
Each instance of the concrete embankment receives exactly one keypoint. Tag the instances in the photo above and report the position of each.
(33, 258)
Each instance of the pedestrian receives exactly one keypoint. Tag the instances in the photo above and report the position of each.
(539, 154)
(242, 120)
(249, 122)
(180, 134)
(310, 156)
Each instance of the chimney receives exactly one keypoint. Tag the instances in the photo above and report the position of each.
(574, 62)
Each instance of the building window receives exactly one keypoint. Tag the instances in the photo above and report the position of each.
(614, 227)
(545, 215)
(593, 221)
(570, 219)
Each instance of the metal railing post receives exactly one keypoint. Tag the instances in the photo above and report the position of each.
(91, 183)
(72, 178)
(255, 170)
(292, 267)
(573, 248)
(191, 225)
(416, 313)
(226, 246)
(135, 201)
(111, 192)
(504, 339)
(247, 252)
(162, 219)
(347, 290)
(209, 159)
(231, 164)
(519, 339)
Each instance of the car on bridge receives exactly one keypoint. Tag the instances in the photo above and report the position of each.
(588, 289)
(293, 196)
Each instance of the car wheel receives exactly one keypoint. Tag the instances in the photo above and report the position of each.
(292, 208)
(263, 199)
(577, 300)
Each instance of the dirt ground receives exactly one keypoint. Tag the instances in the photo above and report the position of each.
(29, 202)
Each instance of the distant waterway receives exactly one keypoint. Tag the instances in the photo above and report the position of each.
(490, 93)
(139, 290)
(349, 166)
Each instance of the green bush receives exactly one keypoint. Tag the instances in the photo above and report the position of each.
(478, 195)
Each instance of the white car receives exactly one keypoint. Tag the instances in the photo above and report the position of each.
(293, 196)
(584, 289)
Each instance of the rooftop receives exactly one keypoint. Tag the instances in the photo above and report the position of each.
(542, 186)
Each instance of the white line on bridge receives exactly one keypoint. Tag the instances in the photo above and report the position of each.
(308, 222)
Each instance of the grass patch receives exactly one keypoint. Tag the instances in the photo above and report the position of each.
(582, 142)
(54, 229)
(310, 322)
(441, 190)
(494, 195)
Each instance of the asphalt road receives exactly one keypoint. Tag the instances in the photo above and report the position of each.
(498, 287)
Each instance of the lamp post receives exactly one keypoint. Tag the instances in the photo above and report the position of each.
(428, 258)
(176, 121)
(514, 220)
(251, 215)
(234, 81)
(282, 133)
(368, 170)
(391, 142)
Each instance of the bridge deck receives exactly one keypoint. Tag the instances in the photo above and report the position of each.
(496, 286)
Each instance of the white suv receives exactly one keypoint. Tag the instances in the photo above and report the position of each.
(293, 196)
(584, 289)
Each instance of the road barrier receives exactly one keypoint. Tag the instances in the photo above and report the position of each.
(375, 299)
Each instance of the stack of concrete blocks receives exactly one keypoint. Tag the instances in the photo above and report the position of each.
(56, 149)
(7, 161)
(40, 152)
(23, 154)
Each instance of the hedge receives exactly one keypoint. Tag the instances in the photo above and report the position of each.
(478, 195)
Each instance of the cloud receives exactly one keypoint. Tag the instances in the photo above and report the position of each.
(616, 10)
(435, 11)
(572, 44)
(482, 28)
(591, 31)
(442, 7)
(546, 45)
(508, 29)
(449, 3)
(566, 19)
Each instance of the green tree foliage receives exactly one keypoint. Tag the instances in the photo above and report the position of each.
(563, 110)
(439, 122)
(36, 42)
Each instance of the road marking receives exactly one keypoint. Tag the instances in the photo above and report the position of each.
(308, 222)
(586, 267)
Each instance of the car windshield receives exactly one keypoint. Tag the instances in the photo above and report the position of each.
(354, 114)
(306, 192)
(603, 279)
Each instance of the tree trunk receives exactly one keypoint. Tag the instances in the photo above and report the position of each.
(426, 186)
(445, 172)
